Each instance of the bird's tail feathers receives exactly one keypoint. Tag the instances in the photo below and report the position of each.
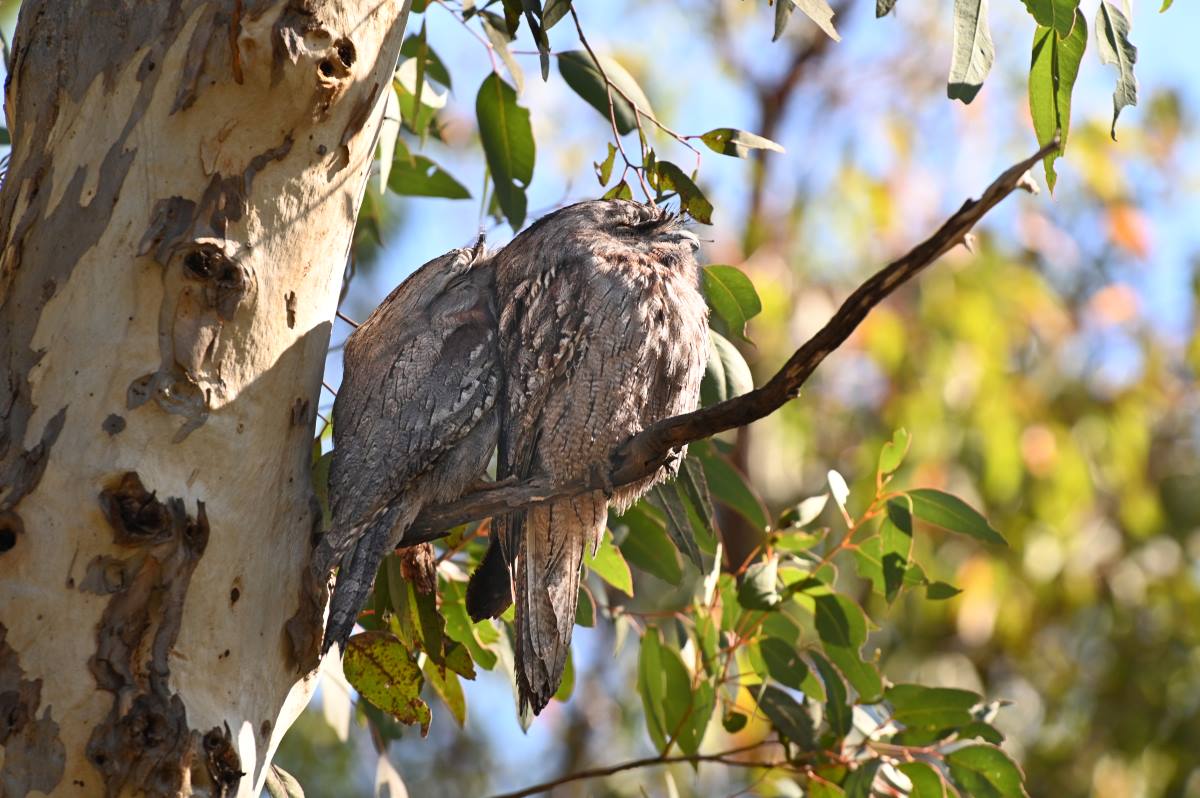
(549, 558)
(356, 571)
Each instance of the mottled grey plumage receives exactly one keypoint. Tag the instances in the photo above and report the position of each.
(603, 332)
(414, 421)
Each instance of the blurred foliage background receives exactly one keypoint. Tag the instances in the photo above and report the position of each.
(1048, 377)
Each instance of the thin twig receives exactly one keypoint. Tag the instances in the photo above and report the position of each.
(654, 761)
(652, 448)
(329, 388)
(612, 111)
(347, 319)
(491, 51)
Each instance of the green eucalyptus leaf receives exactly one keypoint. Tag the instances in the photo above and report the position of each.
(837, 709)
(448, 688)
(953, 514)
(508, 145)
(737, 143)
(783, 661)
(619, 191)
(1051, 81)
(1056, 14)
(579, 72)
(926, 781)
(418, 176)
(731, 296)
(691, 198)
(933, 708)
(984, 771)
(972, 51)
(383, 672)
(858, 783)
(553, 11)
(609, 565)
(758, 588)
(1112, 42)
(726, 374)
(788, 717)
(648, 547)
(818, 11)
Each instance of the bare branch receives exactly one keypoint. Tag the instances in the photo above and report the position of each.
(652, 448)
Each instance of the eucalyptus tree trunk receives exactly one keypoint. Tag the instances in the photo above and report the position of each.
(174, 224)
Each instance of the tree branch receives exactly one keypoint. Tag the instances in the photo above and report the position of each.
(652, 448)
(652, 761)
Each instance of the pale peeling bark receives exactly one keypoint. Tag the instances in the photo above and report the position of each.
(175, 221)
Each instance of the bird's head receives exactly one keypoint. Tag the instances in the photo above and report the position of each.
(618, 231)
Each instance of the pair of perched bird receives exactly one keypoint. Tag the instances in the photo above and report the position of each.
(586, 328)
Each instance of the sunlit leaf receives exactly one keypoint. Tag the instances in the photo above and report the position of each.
(619, 191)
(1112, 42)
(972, 53)
(895, 543)
(894, 451)
(461, 629)
(1051, 80)
(652, 688)
(418, 176)
(953, 514)
(816, 10)
(838, 489)
(445, 683)
(731, 296)
(691, 198)
(585, 609)
(935, 708)
(499, 37)
(737, 143)
(567, 685)
(805, 512)
(926, 781)
(609, 565)
(1056, 14)
(985, 771)
(604, 168)
(416, 46)
(384, 673)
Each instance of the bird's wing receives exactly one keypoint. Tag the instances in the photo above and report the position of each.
(413, 421)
